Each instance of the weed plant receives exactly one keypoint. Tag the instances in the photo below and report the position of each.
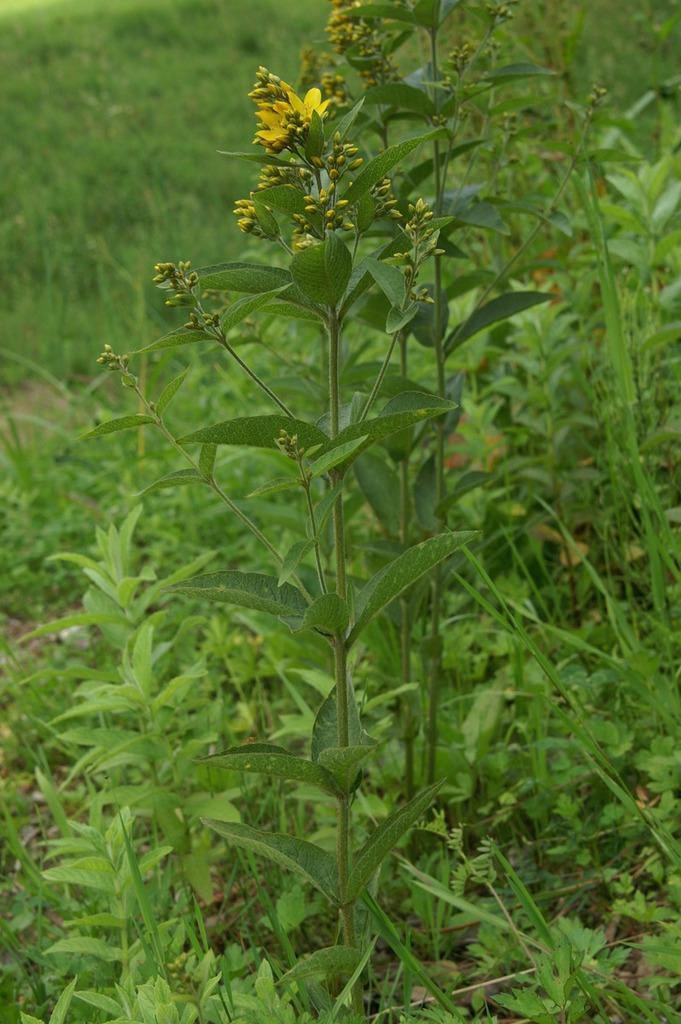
(481, 609)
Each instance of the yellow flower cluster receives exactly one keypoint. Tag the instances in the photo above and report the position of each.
(284, 118)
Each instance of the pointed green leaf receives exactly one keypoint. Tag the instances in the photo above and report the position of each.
(169, 392)
(268, 759)
(257, 158)
(63, 1003)
(329, 613)
(382, 839)
(398, 319)
(207, 460)
(243, 277)
(315, 137)
(381, 164)
(113, 426)
(404, 570)
(517, 71)
(296, 312)
(180, 478)
(292, 559)
(501, 308)
(346, 122)
(243, 307)
(399, 94)
(325, 728)
(267, 221)
(425, 495)
(314, 864)
(343, 763)
(84, 945)
(248, 590)
(282, 483)
(329, 962)
(322, 272)
(257, 432)
(339, 453)
(285, 198)
(380, 485)
(389, 279)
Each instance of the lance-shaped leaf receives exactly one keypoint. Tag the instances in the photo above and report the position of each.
(256, 158)
(285, 198)
(251, 278)
(399, 94)
(329, 613)
(380, 485)
(169, 392)
(382, 839)
(517, 71)
(501, 308)
(113, 426)
(339, 453)
(180, 478)
(331, 961)
(388, 278)
(257, 432)
(325, 728)
(404, 570)
(248, 590)
(344, 762)
(207, 460)
(314, 864)
(322, 272)
(381, 164)
(292, 559)
(268, 759)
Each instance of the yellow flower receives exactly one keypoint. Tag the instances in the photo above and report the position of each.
(285, 122)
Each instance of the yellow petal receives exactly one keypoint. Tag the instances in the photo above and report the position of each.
(313, 98)
(296, 102)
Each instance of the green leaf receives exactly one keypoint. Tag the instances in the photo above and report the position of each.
(257, 432)
(329, 962)
(381, 164)
(268, 759)
(382, 839)
(381, 11)
(243, 307)
(329, 613)
(257, 158)
(399, 94)
(292, 559)
(339, 453)
(314, 864)
(380, 485)
(180, 478)
(346, 122)
(169, 392)
(517, 71)
(315, 137)
(480, 215)
(282, 483)
(243, 277)
(207, 460)
(501, 308)
(398, 319)
(293, 310)
(325, 728)
(425, 495)
(267, 221)
(389, 279)
(322, 272)
(89, 872)
(98, 999)
(285, 198)
(113, 426)
(404, 570)
(248, 590)
(84, 945)
(63, 1003)
(343, 763)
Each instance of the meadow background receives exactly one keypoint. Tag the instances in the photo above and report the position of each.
(112, 115)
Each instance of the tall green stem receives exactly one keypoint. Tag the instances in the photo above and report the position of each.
(343, 692)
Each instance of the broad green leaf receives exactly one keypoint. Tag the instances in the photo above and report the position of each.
(284, 198)
(404, 570)
(517, 71)
(381, 164)
(481, 215)
(329, 613)
(322, 272)
(398, 319)
(389, 279)
(325, 729)
(380, 485)
(267, 221)
(365, 213)
(243, 277)
(243, 307)
(314, 864)
(384, 837)
(169, 392)
(180, 478)
(62, 1007)
(328, 962)
(501, 308)
(113, 426)
(207, 460)
(268, 759)
(257, 432)
(248, 590)
(399, 94)
(344, 762)
(84, 945)
(98, 999)
(293, 310)
(339, 453)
